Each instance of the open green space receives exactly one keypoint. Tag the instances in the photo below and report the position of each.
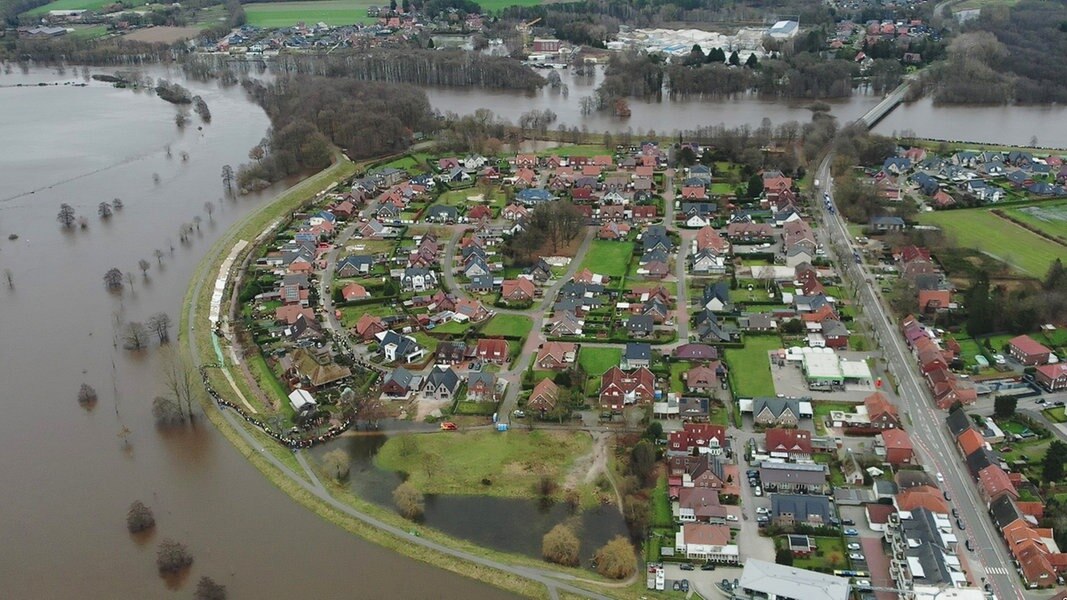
(463, 197)
(595, 361)
(505, 325)
(453, 328)
(1056, 414)
(720, 188)
(608, 258)
(93, 5)
(829, 554)
(750, 368)
(1000, 238)
(661, 504)
(89, 32)
(267, 380)
(678, 369)
(288, 14)
(463, 463)
(972, 4)
(351, 314)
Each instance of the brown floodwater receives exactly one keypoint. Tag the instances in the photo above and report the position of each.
(67, 481)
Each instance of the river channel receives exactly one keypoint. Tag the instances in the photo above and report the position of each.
(68, 477)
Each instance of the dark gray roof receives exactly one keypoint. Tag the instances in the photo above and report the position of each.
(446, 377)
(640, 324)
(637, 351)
(482, 376)
(958, 422)
(793, 473)
(401, 376)
(777, 406)
(801, 505)
(1004, 511)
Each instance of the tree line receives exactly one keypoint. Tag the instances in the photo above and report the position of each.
(308, 114)
(420, 67)
(1007, 55)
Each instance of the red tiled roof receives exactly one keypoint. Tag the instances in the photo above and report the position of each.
(1027, 345)
(970, 441)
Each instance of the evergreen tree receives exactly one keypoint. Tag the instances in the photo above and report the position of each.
(735, 60)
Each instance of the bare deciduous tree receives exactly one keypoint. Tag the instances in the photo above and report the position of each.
(83, 222)
(207, 589)
(159, 256)
(117, 204)
(196, 221)
(409, 502)
(185, 156)
(104, 210)
(336, 464)
(10, 277)
(113, 279)
(173, 557)
(180, 380)
(166, 412)
(209, 208)
(159, 324)
(139, 518)
(66, 215)
(227, 178)
(86, 396)
(135, 337)
(144, 265)
(129, 278)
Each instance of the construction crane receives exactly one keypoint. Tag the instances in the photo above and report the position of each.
(524, 29)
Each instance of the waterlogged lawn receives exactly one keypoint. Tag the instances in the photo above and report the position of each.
(483, 462)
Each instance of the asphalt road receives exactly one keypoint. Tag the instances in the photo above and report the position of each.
(931, 438)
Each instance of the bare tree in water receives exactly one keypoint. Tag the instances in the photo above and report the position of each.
(113, 279)
(144, 265)
(135, 337)
(159, 324)
(66, 216)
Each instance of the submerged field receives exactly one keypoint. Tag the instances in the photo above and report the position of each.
(1008, 242)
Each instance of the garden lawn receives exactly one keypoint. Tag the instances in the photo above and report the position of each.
(287, 14)
(462, 463)
(452, 327)
(677, 370)
(351, 314)
(1056, 414)
(721, 189)
(750, 368)
(93, 5)
(981, 229)
(830, 553)
(595, 361)
(504, 325)
(609, 258)
(661, 504)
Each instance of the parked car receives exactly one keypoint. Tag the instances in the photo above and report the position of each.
(757, 491)
(853, 546)
(955, 513)
(851, 532)
(519, 414)
(948, 496)
(847, 522)
(686, 567)
(856, 556)
(707, 566)
(763, 510)
(676, 586)
(940, 477)
(862, 584)
(1061, 403)
(970, 545)
(685, 585)
(448, 426)
(959, 523)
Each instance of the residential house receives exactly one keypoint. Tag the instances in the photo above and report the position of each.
(776, 412)
(636, 355)
(697, 438)
(354, 291)
(707, 262)
(517, 291)
(492, 350)
(1052, 377)
(544, 396)
(701, 379)
(369, 326)
(716, 297)
(640, 326)
(450, 353)
(993, 482)
(794, 444)
(556, 356)
(398, 347)
(418, 279)
(788, 510)
(886, 224)
(696, 352)
(441, 384)
(898, 447)
(619, 388)
(481, 386)
(707, 542)
(699, 505)
(400, 382)
(355, 265)
(565, 323)
(804, 478)
(882, 413)
(1028, 351)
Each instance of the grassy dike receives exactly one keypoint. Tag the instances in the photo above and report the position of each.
(199, 298)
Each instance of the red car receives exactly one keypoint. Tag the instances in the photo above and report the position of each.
(448, 426)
